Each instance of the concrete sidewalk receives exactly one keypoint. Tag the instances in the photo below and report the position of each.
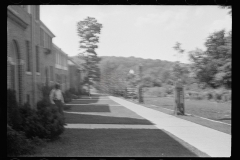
(207, 140)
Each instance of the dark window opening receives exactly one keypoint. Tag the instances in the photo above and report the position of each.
(28, 56)
(37, 59)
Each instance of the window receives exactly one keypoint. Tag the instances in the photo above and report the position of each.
(56, 77)
(29, 9)
(37, 59)
(51, 72)
(63, 78)
(13, 77)
(49, 42)
(59, 57)
(41, 37)
(23, 6)
(28, 56)
(45, 40)
(46, 72)
(37, 12)
(56, 57)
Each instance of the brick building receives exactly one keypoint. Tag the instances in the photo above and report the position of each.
(61, 68)
(48, 56)
(23, 51)
(33, 60)
(76, 75)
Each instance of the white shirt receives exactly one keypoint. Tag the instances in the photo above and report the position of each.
(56, 94)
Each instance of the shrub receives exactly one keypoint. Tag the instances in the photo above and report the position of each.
(17, 143)
(45, 122)
(31, 124)
(67, 96)
(50, 119)
(195, 95)
(13, 114)
(209, 95)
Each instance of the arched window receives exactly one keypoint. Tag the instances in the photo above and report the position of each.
(15, 73)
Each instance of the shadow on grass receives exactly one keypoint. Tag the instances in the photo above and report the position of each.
(67, 107)
(115, 143)
(88, 108)
(97, 119)
(90, 99)
(224, 119)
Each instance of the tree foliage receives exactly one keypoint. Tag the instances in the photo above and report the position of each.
(115, 72)
(227, 7)
(88, 31)
(213, 66)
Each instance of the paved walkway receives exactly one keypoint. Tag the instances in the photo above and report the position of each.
(209, 141)
(110, 126)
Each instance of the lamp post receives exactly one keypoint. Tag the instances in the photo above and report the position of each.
(132, 75)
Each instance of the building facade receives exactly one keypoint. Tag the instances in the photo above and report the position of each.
(33, 61)
(61, 68)
(48, 56)
(76, 75)
(23, 52)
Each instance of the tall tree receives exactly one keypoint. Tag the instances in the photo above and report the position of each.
(88, 31)
(213, 66)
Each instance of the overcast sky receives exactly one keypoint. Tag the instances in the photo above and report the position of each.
(139, 31)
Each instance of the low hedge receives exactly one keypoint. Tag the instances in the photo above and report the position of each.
(26, 125)
(216, 95)
(17, 143)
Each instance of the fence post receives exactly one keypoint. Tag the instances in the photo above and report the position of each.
(140, 98)
(179, 98)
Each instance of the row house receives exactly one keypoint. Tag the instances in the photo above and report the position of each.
(77, 75)
(61, 68)
(33, 60)
(48, 57)
(23, 52)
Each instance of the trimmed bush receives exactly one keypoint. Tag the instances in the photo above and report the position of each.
(50, 119)
(46, 122)
(31, 124)
(17, 143)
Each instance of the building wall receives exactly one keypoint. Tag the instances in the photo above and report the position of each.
(18, 35)
(75, 81)
(21, 27)
(29, 83)
(61, 69)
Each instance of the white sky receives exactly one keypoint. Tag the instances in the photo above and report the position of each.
(139, 31)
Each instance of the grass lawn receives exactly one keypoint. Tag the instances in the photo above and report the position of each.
(114, 143)
(89, 108)
(98, 119)
(202, 108)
